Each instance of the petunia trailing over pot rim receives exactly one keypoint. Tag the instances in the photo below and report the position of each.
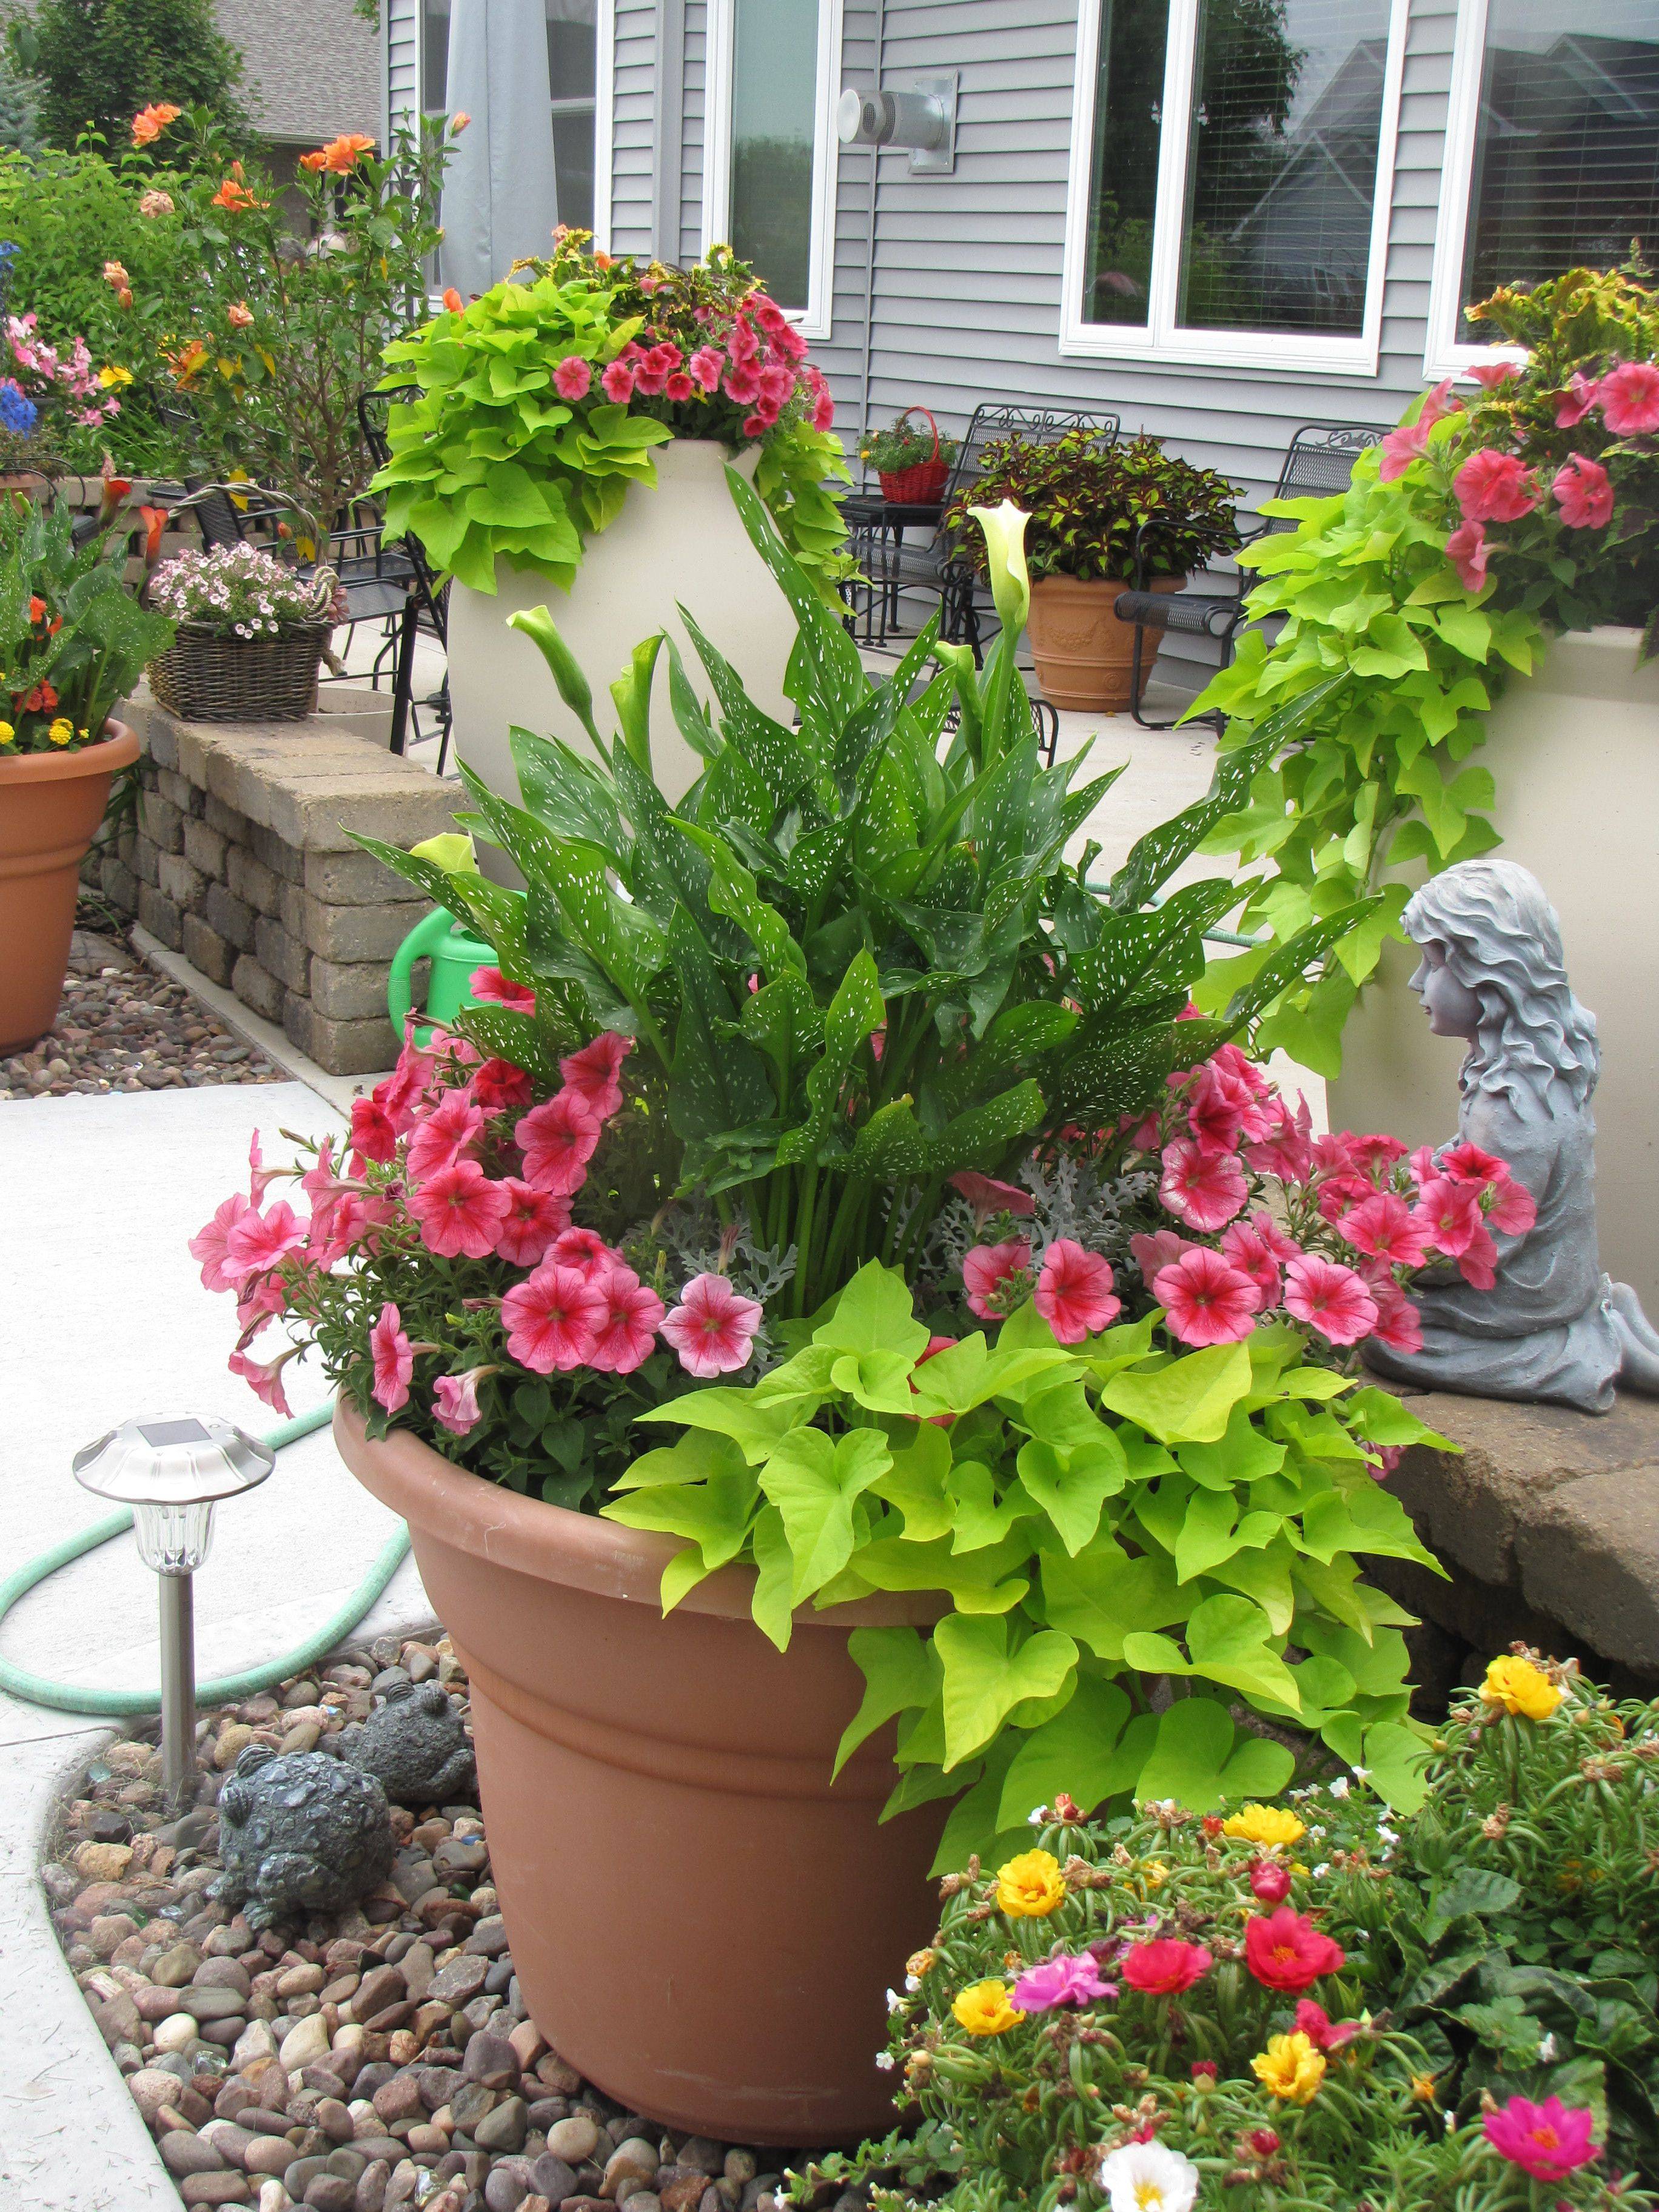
(542, 401)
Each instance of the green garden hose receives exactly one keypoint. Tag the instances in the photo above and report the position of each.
(70, 1697)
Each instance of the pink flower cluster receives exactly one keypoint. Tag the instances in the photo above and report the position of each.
(477, 1174)
(50, 377)
(1492, 486)
(756, 359)
(1073, 1289)
(1355, 1216)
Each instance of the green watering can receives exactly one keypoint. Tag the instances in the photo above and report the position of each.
(453, 953)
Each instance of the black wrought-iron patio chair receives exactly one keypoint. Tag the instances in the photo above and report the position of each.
(1318, 462)
(938, 564)
(430, 599)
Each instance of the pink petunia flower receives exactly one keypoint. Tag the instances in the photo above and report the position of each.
(1450, 1212)
(394, 1359)
(1629, 397)
(1329, 1298)
(1072, 1980)
(259, 1241)
(632, 1315)
(1492, 375)
(449, 1132)
(583, 1249)
(679, 388)
(986, 1268)
(594, 1073)
(742, 343)
(1206, 1300)
(742, 385)
(1401, 447)
(1494, 486)
(264, 1377)
(499, 1087)
(573, 378)
(988, 1196)
(1286, 1150)
(400, 1095)
(705, 366)
(1576, 402)
(1471, 1162)
(533, 1219)
(455, 1401)
(372, 1137)
(617, 382)
(491, 989)
(459, 1210)
(558, 1139)
(1477, 1262)
(210, 1245)
(712, 1329)
(824, 410)
(1468, 552)
(1244, 1247)
(1162, 1249)
(1371, 1154)
(1583, 492)
(258, 1299)
(260, 1176)
(1549, 2141)
(1398, 1326)
(1204, 1191)
(1512, 1207)
(1385, 1227)
(552, 1319)
(1073, 1292)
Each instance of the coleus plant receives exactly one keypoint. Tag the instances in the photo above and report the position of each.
(1103, 1519)
(855, 958)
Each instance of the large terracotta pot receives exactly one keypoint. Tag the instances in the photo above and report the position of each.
(51, 805)
(681, 544)
(1574, 752)
(700, 1923)
(1084, 655)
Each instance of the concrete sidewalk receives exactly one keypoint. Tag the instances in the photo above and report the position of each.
(103, 1315)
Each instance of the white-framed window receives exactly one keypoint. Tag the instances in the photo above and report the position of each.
(581, 56)
(1552, 157)
(1233, 163)
(769, 148)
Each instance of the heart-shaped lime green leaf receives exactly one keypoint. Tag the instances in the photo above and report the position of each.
(1227, 1641)
(1188, 1400)
(986, 1675)
(1075, 1752)
(899, 1671)
(1104, 1593)
(814, 1482)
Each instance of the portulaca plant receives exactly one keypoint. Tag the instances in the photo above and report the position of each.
(242, 591)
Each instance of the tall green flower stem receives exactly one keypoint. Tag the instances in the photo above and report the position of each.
(855, 958)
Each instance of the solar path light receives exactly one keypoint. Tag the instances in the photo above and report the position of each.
(172, 1473)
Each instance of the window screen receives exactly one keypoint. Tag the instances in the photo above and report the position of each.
(1566, 161)
(570, 75)
(774, 72)
(1123, 176)
(434, 56)
(1281, 165)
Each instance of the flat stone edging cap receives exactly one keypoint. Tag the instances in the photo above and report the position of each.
(311, 782)
(1560, 1506)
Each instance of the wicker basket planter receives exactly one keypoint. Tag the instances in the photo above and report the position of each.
(207, 677)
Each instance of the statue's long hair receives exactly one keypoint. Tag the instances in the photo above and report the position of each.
(1501, 940)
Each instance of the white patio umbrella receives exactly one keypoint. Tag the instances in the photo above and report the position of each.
(501, 199)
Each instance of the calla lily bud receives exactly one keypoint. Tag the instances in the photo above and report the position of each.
(1005, 545)
(452, 853)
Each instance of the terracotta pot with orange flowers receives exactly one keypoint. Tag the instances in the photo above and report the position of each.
(60, 749)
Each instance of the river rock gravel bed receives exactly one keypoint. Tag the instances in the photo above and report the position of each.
(356, 2061)
(123, 1025)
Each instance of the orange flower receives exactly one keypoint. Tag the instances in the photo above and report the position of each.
(116, 277)
(459, 121)
(40, 701)
(37, 609)
(240, 316)
(453, 300)
(232, 195)
(341, 156)
(188, 359)
(150, 122)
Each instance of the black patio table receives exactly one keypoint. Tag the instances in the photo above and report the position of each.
(873, 524)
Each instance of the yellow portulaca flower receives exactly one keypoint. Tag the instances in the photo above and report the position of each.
(1423, 2088)
(61, 732)
(1154, 1873)
(1290, 2068)
(1029, 1888)
(112, 377)
(983, 2009)
(1264, 1824)
(7, 735)
(1519, 1688)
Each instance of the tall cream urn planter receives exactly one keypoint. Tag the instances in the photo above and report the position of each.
(681, 542)
(1574, 751)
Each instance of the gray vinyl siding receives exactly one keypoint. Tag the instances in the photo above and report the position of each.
(635, 107)
(693, 124)
(403, 61)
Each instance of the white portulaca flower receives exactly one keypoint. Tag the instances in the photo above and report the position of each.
(895, 2002)
(885, 2061)
(1148, 2177)
(1036, 1816)
(1548, 2050)
(1322, 1870)
(1339, 1787)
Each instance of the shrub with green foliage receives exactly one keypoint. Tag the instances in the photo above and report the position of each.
(96, 63)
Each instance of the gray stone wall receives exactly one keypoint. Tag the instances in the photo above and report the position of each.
(242, 859)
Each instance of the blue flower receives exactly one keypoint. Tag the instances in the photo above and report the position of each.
(17, 414)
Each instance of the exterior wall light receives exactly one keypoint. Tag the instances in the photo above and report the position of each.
(173, 1473)
(922, 119)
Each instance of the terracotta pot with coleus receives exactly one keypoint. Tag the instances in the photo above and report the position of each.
(73, 642)
(759, 1252)
(1103, 516)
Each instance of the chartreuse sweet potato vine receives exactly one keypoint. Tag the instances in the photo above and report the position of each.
(1103, 1519)
(855, 957)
